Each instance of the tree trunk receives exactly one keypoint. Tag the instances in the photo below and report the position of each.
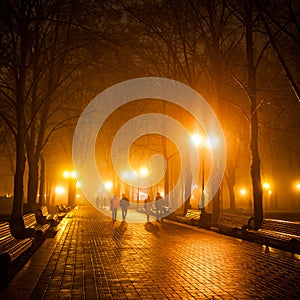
(42, 182)
(17, 209)
(231, 194)
(187, 186)
(255, 160)
(33, 177)
(20, 75)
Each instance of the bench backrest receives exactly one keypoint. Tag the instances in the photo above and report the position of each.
(29, 220)
(282, 226)
(235, 220)
(61, 208)
(5, 234)
(44, 211)
(193, 213)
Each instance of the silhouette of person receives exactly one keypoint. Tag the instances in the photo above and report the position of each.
(97, 201)
(114, 205)
(147, 206)
(159, 207)
(124, 204)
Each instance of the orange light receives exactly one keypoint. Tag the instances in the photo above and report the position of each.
(59, 190)
(108, 185)
(266, 185)
(197, 139)
(243, 191)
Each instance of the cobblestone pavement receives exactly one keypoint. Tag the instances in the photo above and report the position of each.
(93, 257)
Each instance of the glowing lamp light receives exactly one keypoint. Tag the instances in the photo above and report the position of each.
(213, 142)
(108, 185)
(70, 174)
(266, 185)
(297, 186)
(197, 139)
(59, 190)
(78, 184)
(143, 171)
(243, 192)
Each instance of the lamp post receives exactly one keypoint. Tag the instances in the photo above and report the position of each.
(297, 188)
(71, 177)
(141, 172)
(266, 187)
(199, 142)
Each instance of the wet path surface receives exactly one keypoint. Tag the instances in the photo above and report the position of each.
(93, 257)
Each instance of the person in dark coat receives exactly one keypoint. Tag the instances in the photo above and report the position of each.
(124, 204)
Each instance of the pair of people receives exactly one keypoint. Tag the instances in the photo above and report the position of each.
(115, 202)
(159, 207)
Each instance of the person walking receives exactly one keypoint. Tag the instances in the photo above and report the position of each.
(159, 207)
(147, 206)
(124, 204)
(114, 205)
(97, 201)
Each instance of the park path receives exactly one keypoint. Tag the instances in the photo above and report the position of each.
(92, 257)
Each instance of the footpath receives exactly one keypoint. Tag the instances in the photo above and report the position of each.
(93, 257)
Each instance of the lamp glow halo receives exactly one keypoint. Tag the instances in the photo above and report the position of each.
(103, 105)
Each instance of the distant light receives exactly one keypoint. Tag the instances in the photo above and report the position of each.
(70, 174)
(266, 185)
(78, 184)
(59, 190)
(66, 174)
(297, 185)
(270, 192)
(197, 139)
(108, 185)
(74, 174)
(143, 171)
(243, 191)
(213, 141)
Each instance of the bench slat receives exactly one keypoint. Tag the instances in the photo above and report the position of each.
(191, 217)
(278, 233)
(30, 222)
(43, 216)
(10, 247)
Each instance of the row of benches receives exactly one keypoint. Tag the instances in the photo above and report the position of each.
(276, 233)
(18, 236)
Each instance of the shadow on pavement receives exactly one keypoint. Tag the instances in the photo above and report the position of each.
(154, 229)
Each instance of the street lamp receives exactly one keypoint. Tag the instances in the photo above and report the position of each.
(266, 186)
(141, 172)
(244, 193)
(200, 142)
(108, 185)
(71, 177)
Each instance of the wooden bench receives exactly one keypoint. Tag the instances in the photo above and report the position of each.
(65, 208)
(27, 226)
(61, 212)
(43, 216)
(233, 224)
(278, 233)
(10, 247)
(166, 209)
(191, 217)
